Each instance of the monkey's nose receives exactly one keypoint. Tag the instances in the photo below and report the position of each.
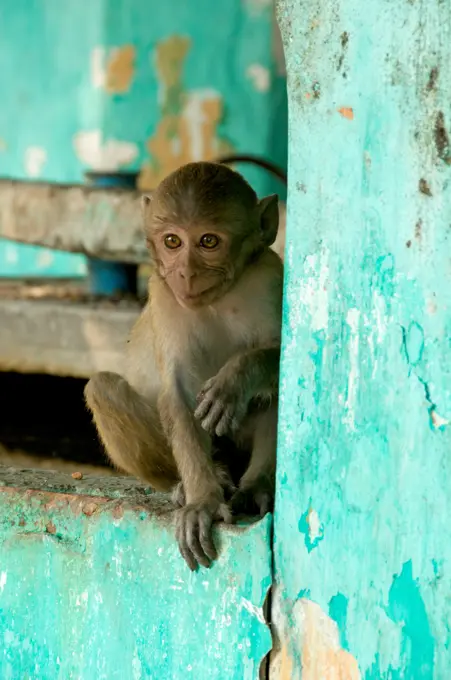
(187, 274)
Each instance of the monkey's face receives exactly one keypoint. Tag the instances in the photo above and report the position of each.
(197, 263)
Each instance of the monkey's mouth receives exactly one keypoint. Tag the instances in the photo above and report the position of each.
(195, 299)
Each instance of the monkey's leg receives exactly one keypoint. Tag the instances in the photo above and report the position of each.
(230, 464)
(255, 494)
(130, 430)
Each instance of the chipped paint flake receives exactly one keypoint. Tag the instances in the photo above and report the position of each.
(438, 422)
(187, 130)
(98, 67)
(113, 69)
(347, 112)
(260, 77)
(322, 655)
(35, 158)
(3, 580)
(313, 293)
(352, 319)
(103, 155)
(253, 609)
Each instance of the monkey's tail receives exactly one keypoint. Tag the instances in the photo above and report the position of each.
(258, 161)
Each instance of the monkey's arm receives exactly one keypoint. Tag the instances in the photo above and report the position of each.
(203, 492)
(224, 399)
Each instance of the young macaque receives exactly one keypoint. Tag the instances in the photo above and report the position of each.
(211, 332)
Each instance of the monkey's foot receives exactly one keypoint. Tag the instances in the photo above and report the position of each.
(193, 529)
(257, 499)
(178, 493)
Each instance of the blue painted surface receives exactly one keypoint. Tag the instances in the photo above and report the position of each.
(365, 425)
(111, 278)
(134, 85)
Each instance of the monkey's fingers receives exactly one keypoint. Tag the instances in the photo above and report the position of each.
(214, 416)
(204, 405)
(183, 546)
(194, 537)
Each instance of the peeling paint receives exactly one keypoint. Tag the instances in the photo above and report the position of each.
(107, 155)
(260, 77)
(35, 158)
(187, 130)
(352, 319)
(311, 526)
(113, 69)
(347, 112)
(322, 656)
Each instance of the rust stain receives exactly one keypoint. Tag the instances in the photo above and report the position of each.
(433, 77)
(50, 528)
(120, 70)
(89, 509)
(424, 187)
(118, 511)
(418, 228)
(441, 138)
(187, 130)
(322, 656)
(347, 112)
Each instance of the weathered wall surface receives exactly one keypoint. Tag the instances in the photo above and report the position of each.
(363, 558)
(92, 586)
(135, 85)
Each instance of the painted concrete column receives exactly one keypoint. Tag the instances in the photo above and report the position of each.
(363, 556)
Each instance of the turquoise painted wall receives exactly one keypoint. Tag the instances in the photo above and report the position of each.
(136, 85)
(92, 586)
(363, 560)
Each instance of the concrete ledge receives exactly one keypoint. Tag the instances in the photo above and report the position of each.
(105, 223)
(92, 586)
(63, 338)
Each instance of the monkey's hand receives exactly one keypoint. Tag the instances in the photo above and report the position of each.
(194, 523)
(222, 404)
(256, 498)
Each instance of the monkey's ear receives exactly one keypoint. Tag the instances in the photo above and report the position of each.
(146, 202)
(269, 218)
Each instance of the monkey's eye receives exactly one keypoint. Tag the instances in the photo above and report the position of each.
(172, 241)
(209, 241)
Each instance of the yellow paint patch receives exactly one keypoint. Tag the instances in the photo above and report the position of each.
(120, 70)
(286, 665)
(322, 656)
(187, 130)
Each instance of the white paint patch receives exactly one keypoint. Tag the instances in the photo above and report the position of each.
(103, 156)
(253, 609)
(314, 525)
(380, 316)
(11, 254)
(194, 116)
(352, 319)
(260, 77)
(313, 294)
(35, 158)
(44, 259)
(3, 579)
(438, 420)
(98, 71)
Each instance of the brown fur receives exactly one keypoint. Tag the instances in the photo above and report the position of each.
(211, 331)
